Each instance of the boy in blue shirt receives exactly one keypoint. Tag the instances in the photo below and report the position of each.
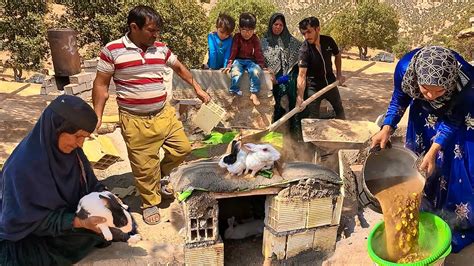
(220, 42)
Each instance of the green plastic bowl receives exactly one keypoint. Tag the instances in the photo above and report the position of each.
(434, 236)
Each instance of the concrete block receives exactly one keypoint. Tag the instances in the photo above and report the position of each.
(299, 242)
(273, 244)
(80, 78)
(325, 238)
(212, 255)
(91, 70)
(74, 89)
(91, 63)
(203, 228)
(85, 94)
(45, 90)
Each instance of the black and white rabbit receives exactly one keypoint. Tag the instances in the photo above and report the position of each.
(235, 161)
(119, 225)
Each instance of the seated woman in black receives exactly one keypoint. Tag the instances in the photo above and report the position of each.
(41, 184)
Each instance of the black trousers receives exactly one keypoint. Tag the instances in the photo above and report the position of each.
(332, 96)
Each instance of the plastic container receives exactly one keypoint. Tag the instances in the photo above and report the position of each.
(434, 236)
(208, 116)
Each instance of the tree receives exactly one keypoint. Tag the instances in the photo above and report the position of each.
(99, 22)
(262, 9)
(448, 37)
(369, 24)
(402, 47)
(184, 30)
(23, 34)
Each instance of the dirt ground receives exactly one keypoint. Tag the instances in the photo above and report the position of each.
(364, 97)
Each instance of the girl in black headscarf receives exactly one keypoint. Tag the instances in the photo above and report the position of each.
(280, 50)
(41, 184)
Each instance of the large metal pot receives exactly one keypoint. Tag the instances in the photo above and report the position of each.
(388, 163)
(66, 60)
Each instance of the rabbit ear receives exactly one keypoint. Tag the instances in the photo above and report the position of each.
(251, 147)
(235, 147)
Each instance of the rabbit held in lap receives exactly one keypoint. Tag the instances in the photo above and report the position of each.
(235, 161)
(119, 221)
(260, 156)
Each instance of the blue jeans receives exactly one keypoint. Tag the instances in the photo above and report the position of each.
(238, 68)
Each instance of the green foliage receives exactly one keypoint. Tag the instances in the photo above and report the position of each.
(370, 24)
(262, 9)
(184, 30)
(99, 22)
(23, 34)
(402, 47)
(448, 37)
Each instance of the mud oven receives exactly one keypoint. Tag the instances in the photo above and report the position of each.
(302, 212)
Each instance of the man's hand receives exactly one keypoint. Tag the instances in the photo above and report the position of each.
(99, 123)
(341, 79)
(203, 96)
(89, 223)
(299, 103)
(382, 137)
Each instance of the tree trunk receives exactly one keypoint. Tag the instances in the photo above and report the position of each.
(364, 53)
(360, 52)
(17, 73)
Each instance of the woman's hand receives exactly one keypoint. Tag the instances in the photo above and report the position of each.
(89, 223)
(428, 165)
(382, 137)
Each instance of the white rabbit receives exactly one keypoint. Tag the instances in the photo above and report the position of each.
(105, 204)
(261, 156)
(241, 231)
(235, 161)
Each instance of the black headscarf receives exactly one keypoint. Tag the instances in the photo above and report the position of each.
(280, 51)
(38, 178)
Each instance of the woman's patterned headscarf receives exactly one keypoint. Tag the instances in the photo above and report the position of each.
(280, 51)
(432, 65)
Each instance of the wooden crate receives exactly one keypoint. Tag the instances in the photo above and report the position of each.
(212, 255)
(273, 244)
(202, 229)
(325, 238)
(287, 214)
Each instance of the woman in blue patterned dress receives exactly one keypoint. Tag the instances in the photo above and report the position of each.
(437, 83)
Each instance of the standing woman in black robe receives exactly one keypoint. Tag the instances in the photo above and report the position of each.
(280, 50)
(41, 184)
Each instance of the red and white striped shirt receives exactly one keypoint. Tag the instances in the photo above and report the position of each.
(138, 75)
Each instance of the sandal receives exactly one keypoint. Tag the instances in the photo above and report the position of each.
(150, 214)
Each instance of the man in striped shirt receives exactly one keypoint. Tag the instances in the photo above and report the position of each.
(136, 63)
